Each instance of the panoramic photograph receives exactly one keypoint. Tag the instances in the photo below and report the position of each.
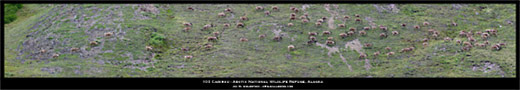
(260, 40)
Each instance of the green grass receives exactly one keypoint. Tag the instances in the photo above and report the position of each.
(118, 56)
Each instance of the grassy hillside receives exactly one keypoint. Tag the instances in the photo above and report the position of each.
(57, 28)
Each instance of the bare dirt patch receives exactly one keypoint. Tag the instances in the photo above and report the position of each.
(457, 6)
(489, 67)
(354, 45)
(277, 32)
(52, 70)
(390, 8)
(149, 8)
(305, 6)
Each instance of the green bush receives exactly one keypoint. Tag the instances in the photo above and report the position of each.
(10, 12)
(157, 39)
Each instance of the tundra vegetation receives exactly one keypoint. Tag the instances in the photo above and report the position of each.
(260, 40)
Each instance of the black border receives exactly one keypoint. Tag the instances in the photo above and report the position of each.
(196, 83)
(3, 45)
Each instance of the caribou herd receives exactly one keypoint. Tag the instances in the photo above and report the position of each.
(466, 44)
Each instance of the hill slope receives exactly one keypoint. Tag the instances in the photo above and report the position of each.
(57, 28)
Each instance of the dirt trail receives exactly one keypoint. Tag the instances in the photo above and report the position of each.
(330, 22)
(232, 16)
(356, 45)
(367, 64)
(345, 60)
(331, 49)
(328, 63)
